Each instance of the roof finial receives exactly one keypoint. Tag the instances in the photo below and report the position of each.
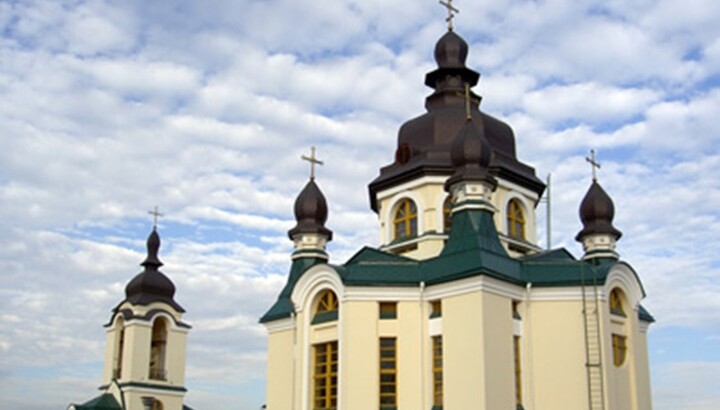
(451, 12)
(312, 160)
(594, 164)
(155, 213)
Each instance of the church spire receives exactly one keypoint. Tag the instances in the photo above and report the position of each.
(597, 211)
(311, 211)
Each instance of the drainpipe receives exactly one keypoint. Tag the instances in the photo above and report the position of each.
(531, 388)
(422, 345)
(293, 316)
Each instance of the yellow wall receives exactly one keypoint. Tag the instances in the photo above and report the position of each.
(556, 355)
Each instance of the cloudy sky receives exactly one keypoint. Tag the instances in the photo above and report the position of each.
(108, 108)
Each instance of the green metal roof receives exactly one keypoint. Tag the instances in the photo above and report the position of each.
(105, 401)
(644, 315)
(473, 248)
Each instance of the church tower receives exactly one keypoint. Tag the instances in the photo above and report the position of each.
(458, 308)
(145, 344)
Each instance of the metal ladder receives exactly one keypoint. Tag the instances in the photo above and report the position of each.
(593, 345)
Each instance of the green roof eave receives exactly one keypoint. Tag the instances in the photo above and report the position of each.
(644, 315)
(565, 273)
(283, 307)
(105, 401)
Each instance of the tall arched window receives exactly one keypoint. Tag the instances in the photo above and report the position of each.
(120, 329)
(158, 347)
(616, 304)
(447, 214)
(515, 220)
(326, 309)
(405, 219)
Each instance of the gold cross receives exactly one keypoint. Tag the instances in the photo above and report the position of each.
(451, 12)
(155, 213)
(468, 100)
(312, 160)
(594, 164)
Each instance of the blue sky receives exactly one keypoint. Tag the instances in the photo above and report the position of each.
(109, 108)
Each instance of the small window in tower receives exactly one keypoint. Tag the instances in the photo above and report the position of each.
(388, 310)
(619, 344)
(158, 347)
(515, 220)
(326, 309)
(435, 309)
(117, 369)
(447, 214)
(405, 219)
(616, 305)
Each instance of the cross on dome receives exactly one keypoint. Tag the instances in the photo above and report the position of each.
(155, 213)
(451, 12)
(312, 160)
(593, 163)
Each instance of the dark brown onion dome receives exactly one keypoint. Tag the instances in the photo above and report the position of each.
(470, 155)
(424, 142)
(151, 285)
(596, 213)
(311, 212)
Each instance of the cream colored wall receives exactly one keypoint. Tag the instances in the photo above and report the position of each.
(280, 370)
(642, 376)
(553, 331)
(477, 349)
(359, 353)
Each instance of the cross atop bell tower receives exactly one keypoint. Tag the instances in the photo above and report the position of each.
(593, 163)
(451, 12)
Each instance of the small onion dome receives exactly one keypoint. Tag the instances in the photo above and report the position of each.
(311, 212)
(450, 54)
(596, 213)
(151, 285)
(470, 155)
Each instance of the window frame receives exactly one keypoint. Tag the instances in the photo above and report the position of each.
(620, 349)
(437, 371)
(326, 307)
(515, 217)
(388, 376)
(387, 310)
(615, 303)
(407, 223)
(325, 393)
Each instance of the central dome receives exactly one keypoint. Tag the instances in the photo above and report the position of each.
(425, 142)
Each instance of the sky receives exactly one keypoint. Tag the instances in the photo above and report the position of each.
(110, 108)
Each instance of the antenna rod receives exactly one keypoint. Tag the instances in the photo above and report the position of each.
(548, 215)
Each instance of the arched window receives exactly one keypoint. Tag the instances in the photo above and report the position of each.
(326, 309)
(120, 329)
(405, 219)
(515, 220)
(616, 304)
(158, 347)
(447, 214)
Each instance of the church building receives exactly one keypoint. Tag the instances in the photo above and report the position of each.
(145, 344)
(458, 308)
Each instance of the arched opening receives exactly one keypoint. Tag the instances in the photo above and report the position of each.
(158, 346)
(515, 220)
(326, 307)
(405, 220)
(616, 303)
(119, 348)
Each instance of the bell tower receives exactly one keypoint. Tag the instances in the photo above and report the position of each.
(146, 341)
